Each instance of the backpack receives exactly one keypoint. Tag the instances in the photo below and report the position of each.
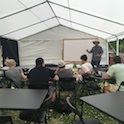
(62, 107)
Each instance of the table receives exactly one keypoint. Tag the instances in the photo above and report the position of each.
(51, 66)
(111, 104)
(21, 99)
(104, 69)
(96, 77)
(3, 70)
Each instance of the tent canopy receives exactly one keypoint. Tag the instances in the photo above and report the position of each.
(22, 18)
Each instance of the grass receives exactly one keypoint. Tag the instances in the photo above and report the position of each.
(56, 118)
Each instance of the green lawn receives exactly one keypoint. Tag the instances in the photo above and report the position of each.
(56, 118)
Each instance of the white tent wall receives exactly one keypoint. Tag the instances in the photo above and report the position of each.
(49, 45)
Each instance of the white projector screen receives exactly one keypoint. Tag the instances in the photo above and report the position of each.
(74, 48)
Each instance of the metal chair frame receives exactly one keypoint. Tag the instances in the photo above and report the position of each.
(79, 114)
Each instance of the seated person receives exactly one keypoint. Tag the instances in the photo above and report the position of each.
(86, 67)
(61, 71)
(15, 73)
(115, 71)
(39, 77)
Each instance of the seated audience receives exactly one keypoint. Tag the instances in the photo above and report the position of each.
(86, 67)
(64, 72)
(39, 77)
(15, 73)
(115, 71)
(61, 71)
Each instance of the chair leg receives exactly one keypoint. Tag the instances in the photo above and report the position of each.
(45, 120)
(28, 122)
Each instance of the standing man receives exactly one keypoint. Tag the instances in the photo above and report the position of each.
(97, 52)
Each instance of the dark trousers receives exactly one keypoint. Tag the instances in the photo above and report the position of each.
(95, 63)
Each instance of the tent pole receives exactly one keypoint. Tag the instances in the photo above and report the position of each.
(117, 46)
(107, 60)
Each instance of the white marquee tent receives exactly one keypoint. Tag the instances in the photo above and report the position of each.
(22, 18)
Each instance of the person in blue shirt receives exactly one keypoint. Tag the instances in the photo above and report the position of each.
(97, 53)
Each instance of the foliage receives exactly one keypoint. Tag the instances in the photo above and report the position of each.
(112, 45)
(122, 46)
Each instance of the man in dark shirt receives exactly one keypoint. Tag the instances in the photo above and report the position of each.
(39, 79)
(97, 52)
(39, 76)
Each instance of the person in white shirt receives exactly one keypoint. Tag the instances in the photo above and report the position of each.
(86, 67)
(116, 71)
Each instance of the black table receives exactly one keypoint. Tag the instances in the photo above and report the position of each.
(21, 99)
(51, 66)
(111, 104)
(104, 69)
(3, 70)
(96, 77)
(100, 78)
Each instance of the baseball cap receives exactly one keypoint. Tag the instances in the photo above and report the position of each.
(61, 64)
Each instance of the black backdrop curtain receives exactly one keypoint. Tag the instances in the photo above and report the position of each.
(10, 50)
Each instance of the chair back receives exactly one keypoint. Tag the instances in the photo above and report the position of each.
(5, 119)
(41, 112)
(7, 83)
(88, 77)
(74, 109)
(38, 86)
(38, 115)
(122, 84)
(79, 114)
(67, 83)
(47, 101)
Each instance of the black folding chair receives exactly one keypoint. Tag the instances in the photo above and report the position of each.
(122, 84)
(5, 119)
(90, 84)
(81, 120)
(37, 116)
(67, 84)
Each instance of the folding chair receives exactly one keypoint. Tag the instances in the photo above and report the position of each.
(122, 84)
(5, 119)
(67, 84)
(37, 116)
(90, 84)
(81, 120)
(8, 83)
